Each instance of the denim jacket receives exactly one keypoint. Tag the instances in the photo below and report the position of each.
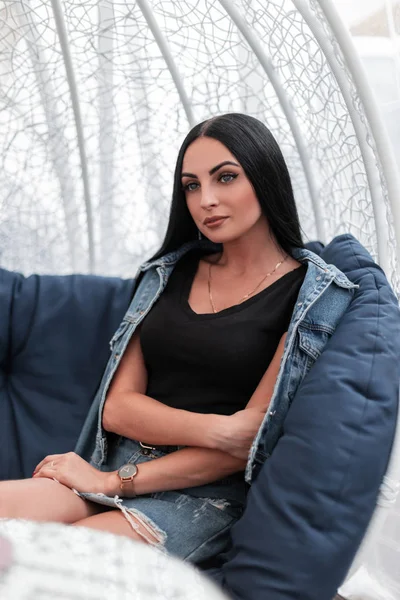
(323, 299)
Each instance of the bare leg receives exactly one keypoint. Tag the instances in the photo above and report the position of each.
(115, 522)
(44, 500)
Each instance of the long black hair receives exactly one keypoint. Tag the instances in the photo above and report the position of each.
(257, 151)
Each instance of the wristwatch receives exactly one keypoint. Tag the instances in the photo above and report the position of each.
(126, 473)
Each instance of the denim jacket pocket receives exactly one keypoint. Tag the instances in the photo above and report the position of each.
(118, 335)
(312, 341)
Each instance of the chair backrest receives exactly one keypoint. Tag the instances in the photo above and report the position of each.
(374, 572)
(54, 334)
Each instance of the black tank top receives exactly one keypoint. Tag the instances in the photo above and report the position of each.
(212, 363)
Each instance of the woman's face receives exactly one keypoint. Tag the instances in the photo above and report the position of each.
(219, 196)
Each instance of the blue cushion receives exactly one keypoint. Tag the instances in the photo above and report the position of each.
(311, 503)
(54, 334)
(313, 499)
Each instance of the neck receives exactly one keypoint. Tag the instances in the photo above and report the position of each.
(253, 252)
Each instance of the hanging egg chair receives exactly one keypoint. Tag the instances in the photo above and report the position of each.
(96, 97)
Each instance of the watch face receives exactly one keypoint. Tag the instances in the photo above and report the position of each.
(127, 471)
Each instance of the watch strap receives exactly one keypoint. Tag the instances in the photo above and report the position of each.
(126, 485)
(126, 482)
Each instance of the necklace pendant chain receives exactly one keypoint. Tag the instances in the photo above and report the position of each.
(250, 293)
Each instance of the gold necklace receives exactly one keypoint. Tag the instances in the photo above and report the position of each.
(250, 293)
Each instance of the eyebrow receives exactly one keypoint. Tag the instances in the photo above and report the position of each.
(213, 170)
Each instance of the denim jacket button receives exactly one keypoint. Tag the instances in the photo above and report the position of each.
(318, 278)
(299, 304)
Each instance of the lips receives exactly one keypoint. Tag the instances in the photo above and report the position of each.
(214, 220)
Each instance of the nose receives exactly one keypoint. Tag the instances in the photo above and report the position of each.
(208, 199)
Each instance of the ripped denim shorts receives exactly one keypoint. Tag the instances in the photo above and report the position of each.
(193, 524)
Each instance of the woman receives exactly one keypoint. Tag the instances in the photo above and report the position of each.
(209, 344)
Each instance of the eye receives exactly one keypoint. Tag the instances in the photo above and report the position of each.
(227, 177)
(190, 187)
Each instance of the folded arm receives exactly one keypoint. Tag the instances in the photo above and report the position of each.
(132, 414)
(194, 465)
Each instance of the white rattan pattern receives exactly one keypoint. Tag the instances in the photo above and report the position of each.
(96, 97)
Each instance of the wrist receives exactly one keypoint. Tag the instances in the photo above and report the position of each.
(112, 484)
(215, 431)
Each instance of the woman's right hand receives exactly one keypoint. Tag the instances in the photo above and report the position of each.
(234, 434)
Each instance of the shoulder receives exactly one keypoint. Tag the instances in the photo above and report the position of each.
(318, 268)
(291, 264)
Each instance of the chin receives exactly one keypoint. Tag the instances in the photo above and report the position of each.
(220, 237)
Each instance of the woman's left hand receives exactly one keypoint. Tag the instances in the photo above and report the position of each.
(72, 471)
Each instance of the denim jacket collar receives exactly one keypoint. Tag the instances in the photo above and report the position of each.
(301, 254)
